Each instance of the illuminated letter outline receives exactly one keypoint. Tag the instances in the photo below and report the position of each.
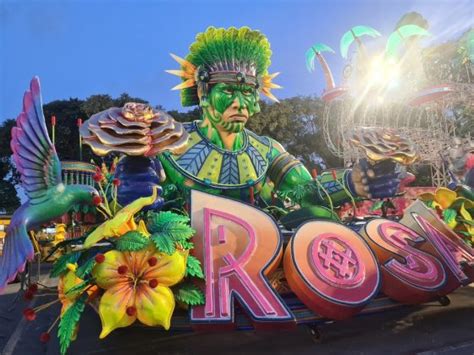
(317, 299)
(207, 314)
(399, 282)
(441, 242)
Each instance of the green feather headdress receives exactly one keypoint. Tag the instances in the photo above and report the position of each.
(225, 55)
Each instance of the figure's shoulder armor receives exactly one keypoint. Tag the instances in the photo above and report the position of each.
(207, 164)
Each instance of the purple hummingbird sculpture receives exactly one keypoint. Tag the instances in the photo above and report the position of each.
(48, 198)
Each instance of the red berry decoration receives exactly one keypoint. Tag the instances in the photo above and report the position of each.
(334, 176)
(28, 295)
(122, 269)
(33, 288)
(98, 177)
(131, 311)
(116, 182)
(99, 258)
(29, 314)
(153, 283)
(97, 200)
(152, 261)
(45, 337)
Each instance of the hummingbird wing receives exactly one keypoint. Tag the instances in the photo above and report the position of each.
(36, 159)
(17, 248)
(34, 155)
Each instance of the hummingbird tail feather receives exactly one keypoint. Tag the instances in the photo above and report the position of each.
(16, 251)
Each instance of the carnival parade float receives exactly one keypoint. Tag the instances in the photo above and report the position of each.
(207, 225)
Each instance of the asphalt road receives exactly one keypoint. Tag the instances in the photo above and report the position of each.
(427, 329)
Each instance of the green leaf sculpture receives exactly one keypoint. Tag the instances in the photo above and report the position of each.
(190, 294)
(85, 269)
(164, 243)
(156, 221)
(193, 267)
(132, 241)
(449, 215)
(169, 228)
(60, 265)
(79, 287)
(69, 321)
(377, 205)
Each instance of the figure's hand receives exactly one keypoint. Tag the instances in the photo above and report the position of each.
(375, 181)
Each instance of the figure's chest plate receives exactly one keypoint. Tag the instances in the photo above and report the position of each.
(212, 166)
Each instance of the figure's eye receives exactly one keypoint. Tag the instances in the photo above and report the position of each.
(228, 91)
(247, 92)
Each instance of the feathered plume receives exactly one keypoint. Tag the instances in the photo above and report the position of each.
(225, 50)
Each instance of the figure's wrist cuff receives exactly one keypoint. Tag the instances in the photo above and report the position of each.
(349, 183)
(281, 166)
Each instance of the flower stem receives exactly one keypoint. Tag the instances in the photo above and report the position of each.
(106, 201)
(54, 323)
(46, 305)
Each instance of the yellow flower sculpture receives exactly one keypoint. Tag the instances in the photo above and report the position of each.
(137, 286)
(66, 282)
(122, 222)
(456, 211)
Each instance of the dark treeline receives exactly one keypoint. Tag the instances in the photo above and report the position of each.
(295, 122)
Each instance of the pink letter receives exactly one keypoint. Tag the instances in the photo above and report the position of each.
(238, 245)
(457, 258)
(409, 275)
(331, 269)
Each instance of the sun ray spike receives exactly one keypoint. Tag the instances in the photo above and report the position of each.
(186, 84)
(268, 94)
(274, 75)
(180, 73)
(188, 66)
(273, 86)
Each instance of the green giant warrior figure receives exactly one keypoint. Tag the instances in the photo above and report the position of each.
(224, 73)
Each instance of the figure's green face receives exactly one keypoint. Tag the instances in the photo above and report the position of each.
(232, 105)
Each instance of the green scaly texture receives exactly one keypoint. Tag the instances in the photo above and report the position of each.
(231, 47)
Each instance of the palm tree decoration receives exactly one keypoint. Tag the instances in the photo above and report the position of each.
(315, 52)
(400, 35)
(354, 34)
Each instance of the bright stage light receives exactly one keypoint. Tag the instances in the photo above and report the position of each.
(382, 72)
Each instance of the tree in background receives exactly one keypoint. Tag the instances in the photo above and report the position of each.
(9, 177)
(413, 18)
(188, 116)
(67, 137)
(296, 123)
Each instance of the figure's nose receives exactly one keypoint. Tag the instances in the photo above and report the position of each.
(236, 103)
(239, 102)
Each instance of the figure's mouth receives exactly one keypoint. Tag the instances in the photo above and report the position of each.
(238, 118)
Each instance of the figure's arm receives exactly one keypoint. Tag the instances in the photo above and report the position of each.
(287, 173)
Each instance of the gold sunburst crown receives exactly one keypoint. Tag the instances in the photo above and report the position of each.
(191, 76)
(222, 55)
